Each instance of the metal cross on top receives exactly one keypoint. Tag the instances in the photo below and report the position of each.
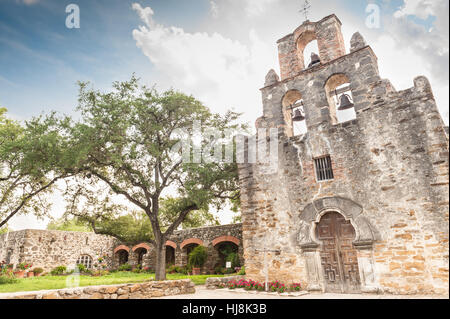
(305, 9)
(266, 268)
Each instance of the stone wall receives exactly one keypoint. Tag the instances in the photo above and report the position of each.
(181, 241)
(48, 249)
(146, 290)
(215, 282)
(390, 169)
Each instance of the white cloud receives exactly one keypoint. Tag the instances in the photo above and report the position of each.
(219, 71)
(146, 14)
(257, 7)
(28, 2)
(225, 73)
(420, 8)
(409, 48)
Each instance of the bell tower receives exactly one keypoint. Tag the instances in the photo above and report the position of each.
(329, 38)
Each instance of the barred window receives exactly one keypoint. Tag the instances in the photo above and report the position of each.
(85, 260)
(324, 169)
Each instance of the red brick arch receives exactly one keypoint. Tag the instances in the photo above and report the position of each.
(142, 245)
(122, 247)
(223, 239)
(191, 241)
(171, 244)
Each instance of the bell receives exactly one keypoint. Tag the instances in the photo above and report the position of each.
(345, 103)
(314, 59)
(298, 116)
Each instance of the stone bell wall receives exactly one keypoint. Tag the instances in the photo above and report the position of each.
(390, 169)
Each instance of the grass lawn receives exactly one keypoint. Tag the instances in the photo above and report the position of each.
(59, 282)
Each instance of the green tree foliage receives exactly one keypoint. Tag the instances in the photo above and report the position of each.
(125, 143)
(4, 230)
(28, 157)
(198, 256)
(131, 228)
(73, 224)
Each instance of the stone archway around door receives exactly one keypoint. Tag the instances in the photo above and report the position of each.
(364, 237)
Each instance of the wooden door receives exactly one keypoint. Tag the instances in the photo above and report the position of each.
(338, 256)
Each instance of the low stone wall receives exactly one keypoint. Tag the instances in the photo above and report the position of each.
(214, 282)
(145, 290)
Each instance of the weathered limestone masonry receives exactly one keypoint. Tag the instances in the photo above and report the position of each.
(216, 282)
(390, 186)
(146, 290)
(48, 249)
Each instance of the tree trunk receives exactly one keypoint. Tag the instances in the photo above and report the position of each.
(160, 267)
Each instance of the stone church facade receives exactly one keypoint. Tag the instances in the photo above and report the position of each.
(353, 206)
(48, 249)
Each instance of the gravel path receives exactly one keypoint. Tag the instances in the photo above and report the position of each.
(203, 293)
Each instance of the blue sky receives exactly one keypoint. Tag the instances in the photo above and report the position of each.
(41, 60)
(218, 50)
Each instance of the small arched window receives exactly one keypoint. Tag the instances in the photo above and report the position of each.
(85, 260)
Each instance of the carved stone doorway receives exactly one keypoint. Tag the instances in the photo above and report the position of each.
(338, 255)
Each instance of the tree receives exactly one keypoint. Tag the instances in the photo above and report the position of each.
(131, 228)
(126, 141)
(4, 230)
(73, 224)
(28, 157)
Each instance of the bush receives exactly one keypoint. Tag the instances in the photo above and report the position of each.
(99, 273)
(7, 279)
(227, 271)
(242, 272)
(82, 268)
(175, 270)
(234, 259)
(125, 267)
(147, 270)
(24, 266)
(295, 287)
(218, 270)
(186, 270)
(60, 270)
(38, 270)
(197, 257)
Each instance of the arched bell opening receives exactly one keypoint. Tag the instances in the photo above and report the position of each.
(340, 98)
(339, 257)
(311, 55)
(294, 113)
(308, 50)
